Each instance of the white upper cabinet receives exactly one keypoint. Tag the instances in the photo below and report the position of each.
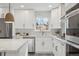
(29, 19)
(19, 19)
(55, 18)
(24, 18)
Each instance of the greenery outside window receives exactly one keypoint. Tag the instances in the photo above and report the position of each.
(41, 23)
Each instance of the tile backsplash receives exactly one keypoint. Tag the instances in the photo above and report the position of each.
(21, 31)
(32, 32)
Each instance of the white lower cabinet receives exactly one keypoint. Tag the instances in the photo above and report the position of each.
(59, 48)
(43, 45)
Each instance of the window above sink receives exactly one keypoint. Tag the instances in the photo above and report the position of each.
(41, 23)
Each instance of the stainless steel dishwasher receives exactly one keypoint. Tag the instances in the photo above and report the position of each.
(31, 43)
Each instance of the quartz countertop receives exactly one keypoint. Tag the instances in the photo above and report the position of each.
(7, 45)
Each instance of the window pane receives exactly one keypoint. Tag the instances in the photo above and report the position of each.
(41, 23)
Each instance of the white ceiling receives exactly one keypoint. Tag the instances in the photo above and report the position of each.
(34, 6)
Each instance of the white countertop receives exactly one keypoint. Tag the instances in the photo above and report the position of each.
(7, 45)
(67, 42)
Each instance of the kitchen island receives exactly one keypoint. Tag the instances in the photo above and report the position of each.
(13, 47)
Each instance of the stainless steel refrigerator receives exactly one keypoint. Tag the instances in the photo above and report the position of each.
(5, 29)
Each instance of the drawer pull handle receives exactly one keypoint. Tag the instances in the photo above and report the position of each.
(56, 48)
(43, 43)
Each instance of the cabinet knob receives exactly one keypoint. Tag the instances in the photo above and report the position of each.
(56, 48)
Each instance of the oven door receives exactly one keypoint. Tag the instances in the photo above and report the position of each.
(72, 26)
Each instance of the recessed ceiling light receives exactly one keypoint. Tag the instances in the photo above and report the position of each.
(50, 6)
(22, 6)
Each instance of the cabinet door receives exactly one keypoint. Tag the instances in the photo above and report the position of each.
(43, 45)
(39, 45)
(62, 49)
(48, 45)
(29, 17)
(24, 19)
(59, 48)
(55, 49)
(19, 19)
(55, 18)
